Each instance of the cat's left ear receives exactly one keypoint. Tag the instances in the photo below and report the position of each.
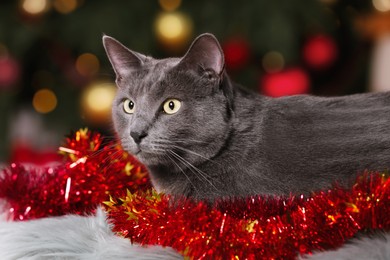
(205, 53)
(123, 60)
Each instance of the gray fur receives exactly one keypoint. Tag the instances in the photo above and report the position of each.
(226, 141)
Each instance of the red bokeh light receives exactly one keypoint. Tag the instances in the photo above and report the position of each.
(237, 53)
(320, 52)
(9, 71)
(285, 83)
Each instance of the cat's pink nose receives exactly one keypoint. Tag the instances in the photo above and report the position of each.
(137, 137)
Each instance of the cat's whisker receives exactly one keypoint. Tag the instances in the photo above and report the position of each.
(185, 163)
(106, 148)
(194, 153)
(181, 170)
(189, 151)
(190, 166)
(169, 143)
(169, 146)
(186, 141)
(111, 157)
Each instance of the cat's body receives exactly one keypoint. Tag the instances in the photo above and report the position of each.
(222, 141)
(294, 144)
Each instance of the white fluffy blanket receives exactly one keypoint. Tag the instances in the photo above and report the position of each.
(72, 237)
(76, 237)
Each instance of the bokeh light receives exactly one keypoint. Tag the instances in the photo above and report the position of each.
(96, 102)
(173, 29)
(35, 7)
(65, 6)
(292, 81)
(237, 53)
(9, 71)
(87, 64)
(381, 5)
(44, 101)
(273, 61)
(170, 26)
(169, 5)
(320, 51)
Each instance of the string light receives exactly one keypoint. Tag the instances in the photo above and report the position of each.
(65, 6)
(96, 102)
(169, 5)
(381, 5)
(87, 64)
(35, 7)
(44, 101)
(273, 61)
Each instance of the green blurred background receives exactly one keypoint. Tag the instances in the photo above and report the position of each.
(55, 77)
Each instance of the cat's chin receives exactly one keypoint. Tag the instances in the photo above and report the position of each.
(148, 158)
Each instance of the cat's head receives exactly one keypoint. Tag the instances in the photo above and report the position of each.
(171, 111)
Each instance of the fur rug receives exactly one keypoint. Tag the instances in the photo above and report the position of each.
(87, 238)
(72, 237)
(376, 247)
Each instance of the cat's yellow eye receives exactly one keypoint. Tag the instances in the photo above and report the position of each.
(129, 106)
(171, 106)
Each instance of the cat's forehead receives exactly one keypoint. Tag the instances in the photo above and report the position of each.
(148, 79)
(161, 79)
(155, 70)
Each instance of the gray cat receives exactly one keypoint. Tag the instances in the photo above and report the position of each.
(202, 136)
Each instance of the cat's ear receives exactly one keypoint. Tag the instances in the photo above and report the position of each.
(206, 53)
(123, 60)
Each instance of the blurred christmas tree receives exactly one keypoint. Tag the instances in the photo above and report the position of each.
(52, 63)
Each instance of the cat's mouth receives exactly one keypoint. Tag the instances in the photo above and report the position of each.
(137, 152)
(143, 152)
(148, 158)
(147, 154)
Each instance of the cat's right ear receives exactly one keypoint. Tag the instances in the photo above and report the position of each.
(206, 53)
(123, 60)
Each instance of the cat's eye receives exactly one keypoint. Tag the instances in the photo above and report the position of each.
(128, 106)
(171, 106)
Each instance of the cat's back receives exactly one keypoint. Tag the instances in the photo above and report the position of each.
(355, 102)
(309, 142)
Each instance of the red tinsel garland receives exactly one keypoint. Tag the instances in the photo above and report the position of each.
(251, 228)
(90, 172)
(320, 222)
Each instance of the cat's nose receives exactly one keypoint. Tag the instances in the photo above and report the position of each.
(138, 136)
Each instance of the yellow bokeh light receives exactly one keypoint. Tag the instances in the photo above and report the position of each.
(174, 29)
(170, 26)
(381, 5)
(97, 100)
(65, 6)
(169, 5)
(34, 6)
(273, 61)
(44, 101)
(87, 64)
